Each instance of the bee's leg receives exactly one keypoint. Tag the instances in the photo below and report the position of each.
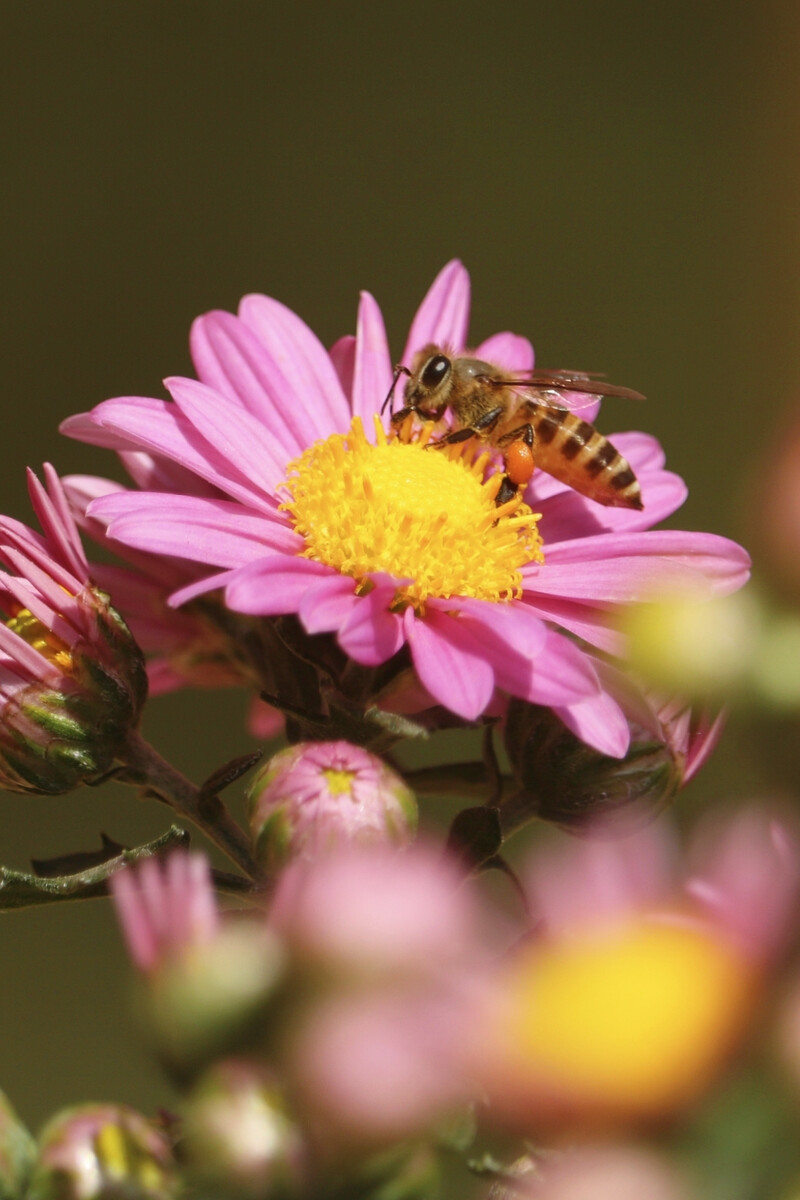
(400, 416)
(518, 453)
(484, 424)
(398, 371)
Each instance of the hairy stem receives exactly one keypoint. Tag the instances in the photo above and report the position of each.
(145, 767)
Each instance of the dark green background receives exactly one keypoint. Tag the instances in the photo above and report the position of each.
(621, 179)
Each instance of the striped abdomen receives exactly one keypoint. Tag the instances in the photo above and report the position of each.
(573, 451)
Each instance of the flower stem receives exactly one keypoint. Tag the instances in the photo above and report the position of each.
(145, 767)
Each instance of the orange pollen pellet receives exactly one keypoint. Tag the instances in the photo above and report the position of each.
(519, 463)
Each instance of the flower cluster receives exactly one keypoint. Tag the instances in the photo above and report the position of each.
(379, 559)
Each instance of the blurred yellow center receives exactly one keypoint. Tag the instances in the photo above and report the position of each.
(423, 515)
(632, 1019)
(43, 640)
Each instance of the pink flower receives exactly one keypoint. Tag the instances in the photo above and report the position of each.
(72, 680)
(271, 471)
(642, 975)
(393, 942)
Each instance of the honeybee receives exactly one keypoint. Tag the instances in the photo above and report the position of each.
(529, 420)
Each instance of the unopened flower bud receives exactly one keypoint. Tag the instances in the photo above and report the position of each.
(102, 1152)
(210, 1000)
(238, 1138)
(314, 796)
(73, 681)
(559, 778)
(66, 727)
(17, 1152)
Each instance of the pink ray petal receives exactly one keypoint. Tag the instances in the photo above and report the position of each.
(443, 316)
(273, 585)
(343, 357)
(160, 426)
(327, 603)
(298, 357)
(600, 722)
(371, 634)
(217, 532)
(456, 675)
(622, 568)
(372, 375)
(509, 351)
(231, 360)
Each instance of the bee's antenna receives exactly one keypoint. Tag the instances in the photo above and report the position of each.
(398, 371)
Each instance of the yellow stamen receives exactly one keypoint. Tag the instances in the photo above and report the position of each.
(416, 513)
(42, 639)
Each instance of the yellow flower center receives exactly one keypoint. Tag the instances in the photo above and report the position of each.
(43, 640)
(417, 513)
(340, 783)
(633, 1018)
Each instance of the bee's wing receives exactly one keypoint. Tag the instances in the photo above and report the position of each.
(572, 390)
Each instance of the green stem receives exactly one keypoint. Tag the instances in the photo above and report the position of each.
(146, 767)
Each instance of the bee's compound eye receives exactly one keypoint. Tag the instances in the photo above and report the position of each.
(435, 370)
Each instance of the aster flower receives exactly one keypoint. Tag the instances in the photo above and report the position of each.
(301, 504)
(642, 974)
(72, 679)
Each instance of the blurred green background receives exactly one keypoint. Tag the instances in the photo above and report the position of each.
(620, 178)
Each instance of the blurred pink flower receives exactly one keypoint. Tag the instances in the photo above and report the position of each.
(642, 974)
(245, 462)
(607, 1172)
(393, 942)
(372, 910)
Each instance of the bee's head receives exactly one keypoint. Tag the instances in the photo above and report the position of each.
(428, 388)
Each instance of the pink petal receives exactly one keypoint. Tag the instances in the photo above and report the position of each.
(200, 587)
(343, 357)
(372, 375)
(371, 634)
(327, 603)
(620, 568)
(454, 671)
(443, 316)
(161, 427)
(509, 351)
(600, 722)
(152, 473)
(273, 585)
(301, 362)
(243, 442)
(231, 360)
(562, 674)
(218, 532)
(586, 622)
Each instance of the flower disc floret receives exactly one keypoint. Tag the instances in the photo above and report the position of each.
(408, 510)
